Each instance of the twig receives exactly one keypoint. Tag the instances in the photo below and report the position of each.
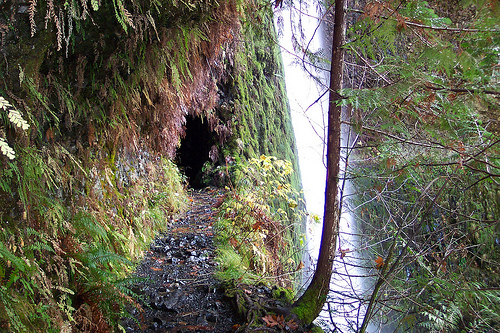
(423, 26)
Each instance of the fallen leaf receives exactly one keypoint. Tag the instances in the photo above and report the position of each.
(300, 266)
(194, 328)
(390, 162)
(156, 269)
(270, 320)
(292, 324)
(219, 202)
(379, 262)
(181, 230)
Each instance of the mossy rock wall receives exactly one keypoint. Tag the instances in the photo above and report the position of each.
(107, 89)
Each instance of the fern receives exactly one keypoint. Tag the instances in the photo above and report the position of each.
(102, 264)
(39, 246)
(32, 11)
(6, 149)
(11, 306)
(418, 10)
(86, 225)
(95, 4)
(4, 104)
(16, 119)
(123, 286)
(152, 22)
(123, 16)
(17, 263)
(176, 79)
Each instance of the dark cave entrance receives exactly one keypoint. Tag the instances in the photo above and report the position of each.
(194, 150)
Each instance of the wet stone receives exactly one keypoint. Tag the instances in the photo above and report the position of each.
(179, 291)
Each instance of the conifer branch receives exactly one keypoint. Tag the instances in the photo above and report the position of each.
(395, 137)
(429, 27)
(463, 90)
(423, 26)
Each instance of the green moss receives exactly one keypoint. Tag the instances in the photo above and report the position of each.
(112, 160)
(265, 124)
(308, 307)
(114, 90)
(317, 329)
(284, 294)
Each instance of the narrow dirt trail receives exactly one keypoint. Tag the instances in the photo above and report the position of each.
(179, 292)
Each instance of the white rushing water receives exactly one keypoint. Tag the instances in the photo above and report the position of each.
(309, 122)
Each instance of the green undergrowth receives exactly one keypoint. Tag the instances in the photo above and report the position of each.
(86, 186)
(261, 223)
(255, 232)
(87, 170)
(65, 261)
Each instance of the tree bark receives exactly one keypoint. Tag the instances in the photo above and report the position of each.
(309, 305)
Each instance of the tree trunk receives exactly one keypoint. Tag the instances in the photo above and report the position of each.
(309, 305)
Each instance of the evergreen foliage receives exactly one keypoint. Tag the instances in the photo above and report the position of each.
(106, 87)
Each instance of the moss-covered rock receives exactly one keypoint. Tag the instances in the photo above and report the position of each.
(107, 88)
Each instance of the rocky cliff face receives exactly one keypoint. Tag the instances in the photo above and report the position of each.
(120, 96)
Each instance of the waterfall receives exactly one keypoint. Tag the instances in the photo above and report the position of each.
(348, 286)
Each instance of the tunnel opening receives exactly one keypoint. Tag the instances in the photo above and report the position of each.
(194, 150)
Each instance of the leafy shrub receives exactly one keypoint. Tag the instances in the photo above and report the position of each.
(256, 228)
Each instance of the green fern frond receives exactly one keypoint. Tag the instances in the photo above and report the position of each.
(16, 262)
(123, 15)
(11, 305)
(123, 285)
(32, 232)
(176, 78)
(102, 257)
(39, 246)
(86, 225)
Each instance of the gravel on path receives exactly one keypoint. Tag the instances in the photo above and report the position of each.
(179, 292)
